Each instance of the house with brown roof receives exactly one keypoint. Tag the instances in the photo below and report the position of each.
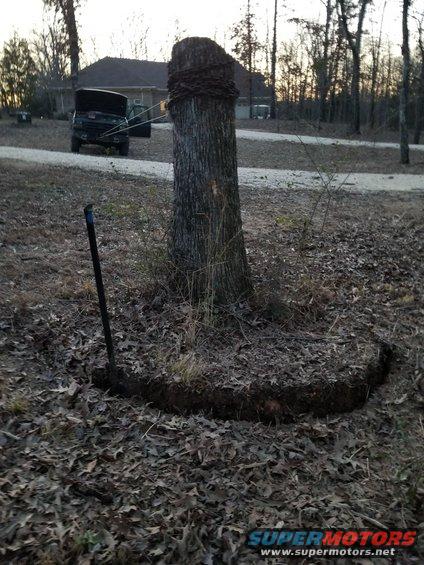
(145, 82)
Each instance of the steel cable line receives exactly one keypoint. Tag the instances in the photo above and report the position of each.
(134, 126)
(136, 116)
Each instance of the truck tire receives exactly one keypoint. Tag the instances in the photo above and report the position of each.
(124, 148)
(75, 145)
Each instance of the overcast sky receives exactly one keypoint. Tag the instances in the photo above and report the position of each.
(106, 26)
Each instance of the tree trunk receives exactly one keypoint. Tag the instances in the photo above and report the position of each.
(334, 74)
(376, 49)
(371, 119)
(71, 25)
(206, 239)
(373, 87)
(404, 92)
(272, 111)
(250, 57)
(250, 92)
(356, 102)
(419, 106)
(387, 90)
(324, 78)
(67, 8)
(354, 42)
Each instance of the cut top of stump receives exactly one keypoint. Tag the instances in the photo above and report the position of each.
(196, 52)
(200, 67)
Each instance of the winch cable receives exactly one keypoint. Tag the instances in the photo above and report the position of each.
(134, 126)
(136, 116)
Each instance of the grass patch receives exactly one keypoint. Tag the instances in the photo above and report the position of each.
(289, 222)
(17, 405)
(187, 367)
(126, 210)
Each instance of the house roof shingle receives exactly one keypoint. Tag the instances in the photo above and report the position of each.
(114, 72)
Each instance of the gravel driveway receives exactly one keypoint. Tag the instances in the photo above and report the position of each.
(307, 139)
(253, 177)
(252, 152)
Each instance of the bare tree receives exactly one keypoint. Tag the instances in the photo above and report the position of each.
(132, 38)
(177, 34)
(139, 38)
(324, 76)
(246, 47)
(297, 81)
(419, 100)
(375, 56)
(50, 52)
(67, 10)
(272, 113)
(335, 65)
(404, 91)
(354, 39)
(49, 48)
(316, 71)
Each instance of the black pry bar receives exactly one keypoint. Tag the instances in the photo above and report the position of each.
(89, 218)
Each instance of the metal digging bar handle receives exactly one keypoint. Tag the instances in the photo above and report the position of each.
(89, 218)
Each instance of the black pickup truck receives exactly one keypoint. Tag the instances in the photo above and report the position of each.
(100, 119)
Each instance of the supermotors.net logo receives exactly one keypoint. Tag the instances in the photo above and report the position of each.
(329, 543)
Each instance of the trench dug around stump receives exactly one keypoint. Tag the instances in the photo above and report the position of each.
(282, 398)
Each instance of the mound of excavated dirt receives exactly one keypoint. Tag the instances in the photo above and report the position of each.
(319, 376)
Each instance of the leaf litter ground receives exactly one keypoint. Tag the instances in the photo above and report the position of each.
(91, 476)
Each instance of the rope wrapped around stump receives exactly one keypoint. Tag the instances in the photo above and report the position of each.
(202, 81)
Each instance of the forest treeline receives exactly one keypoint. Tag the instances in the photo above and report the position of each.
(342, 68)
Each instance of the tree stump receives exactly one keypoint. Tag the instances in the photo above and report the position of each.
(206, 243)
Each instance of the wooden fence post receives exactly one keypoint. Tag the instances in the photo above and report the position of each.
(206, 240)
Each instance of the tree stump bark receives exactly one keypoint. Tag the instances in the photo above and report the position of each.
(206, 243)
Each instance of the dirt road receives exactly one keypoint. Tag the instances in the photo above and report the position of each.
(262, 149)
(253, 177)
(308, 139)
